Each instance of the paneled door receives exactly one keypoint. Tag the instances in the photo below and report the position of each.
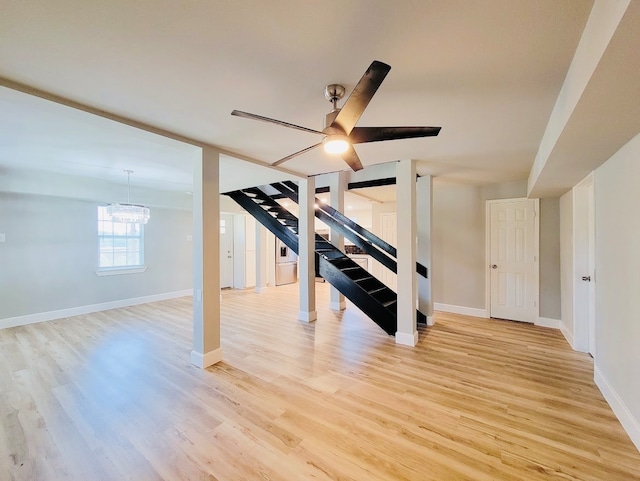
(389, 233)
(584, 296)
(226, 250)
(512, 259)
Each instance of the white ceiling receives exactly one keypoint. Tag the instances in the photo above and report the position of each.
(487, 71)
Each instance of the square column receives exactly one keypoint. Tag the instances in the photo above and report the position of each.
(337, 183)
(407, 333)
(424, 205)
(206, 260)
(261, 258)
(306, 250)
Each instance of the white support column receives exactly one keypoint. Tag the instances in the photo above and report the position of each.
(261, 258)
(206, 260)
(306, 250)
(271, 258)
(424, 205)
(336, 189)
(407, 333)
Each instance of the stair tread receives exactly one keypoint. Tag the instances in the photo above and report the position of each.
(368, 279)
(375, 291)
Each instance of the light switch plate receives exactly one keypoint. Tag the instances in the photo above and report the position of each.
(3, 237)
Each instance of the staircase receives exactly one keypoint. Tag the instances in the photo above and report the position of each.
(368, 242)
(369, 294)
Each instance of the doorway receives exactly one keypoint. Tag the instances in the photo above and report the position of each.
(584, 335)
(512, 254)
(226, 250)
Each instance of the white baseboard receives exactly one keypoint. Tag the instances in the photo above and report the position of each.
(567, 334)
(88, 309)
(630, 424)
(465, 311)
(407, 339)
(307, 316)
(431, 320)
(548, 322)
(205, 360)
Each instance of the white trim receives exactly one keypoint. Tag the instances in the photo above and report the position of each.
(487, 253)
(582, 328)
(407, 339)
(88, 309)
(465, 311)
(307, 316)
(548, 322)
(431, 321)
(630, 424)
(210, 358)
(567, 335)
(116, 271)
(259, 290)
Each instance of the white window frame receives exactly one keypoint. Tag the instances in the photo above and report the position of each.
(129, 268)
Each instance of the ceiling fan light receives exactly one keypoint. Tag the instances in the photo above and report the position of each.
(336, 144)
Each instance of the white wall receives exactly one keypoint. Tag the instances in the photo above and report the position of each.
(51, 253)
(617, 279)
(566, 265)
(376, 227)
(550, 305)
(458, 245)
(459, 262)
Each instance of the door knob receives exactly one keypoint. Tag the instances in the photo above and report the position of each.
(586, 278)
(493, 266)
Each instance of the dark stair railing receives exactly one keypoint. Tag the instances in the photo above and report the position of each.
(369, 294)
(365, 240)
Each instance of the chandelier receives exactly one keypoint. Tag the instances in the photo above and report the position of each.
(128, 213)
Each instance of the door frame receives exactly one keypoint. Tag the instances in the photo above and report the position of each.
(584, 298)
(229, 230)
(536, 254)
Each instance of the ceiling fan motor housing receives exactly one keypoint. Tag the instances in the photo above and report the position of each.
(334, 92)
(328, 120)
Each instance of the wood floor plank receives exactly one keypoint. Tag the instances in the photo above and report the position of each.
(113, 396)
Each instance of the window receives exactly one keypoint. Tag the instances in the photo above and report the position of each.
(121, 246)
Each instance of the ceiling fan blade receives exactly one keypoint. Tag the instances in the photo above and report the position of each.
(239, 113)
(360, 135)
(351, 158)
(300, 152)
(361, 96)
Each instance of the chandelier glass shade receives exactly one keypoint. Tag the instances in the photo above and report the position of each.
(129, 213)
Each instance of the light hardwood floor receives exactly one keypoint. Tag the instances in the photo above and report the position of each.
(112, 396)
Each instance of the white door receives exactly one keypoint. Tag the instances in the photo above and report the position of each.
(389, 231)
(591, 269)
(226, 250)
(584, 335)
(512, 259)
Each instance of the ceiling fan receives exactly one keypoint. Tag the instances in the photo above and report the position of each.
(340, 132)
